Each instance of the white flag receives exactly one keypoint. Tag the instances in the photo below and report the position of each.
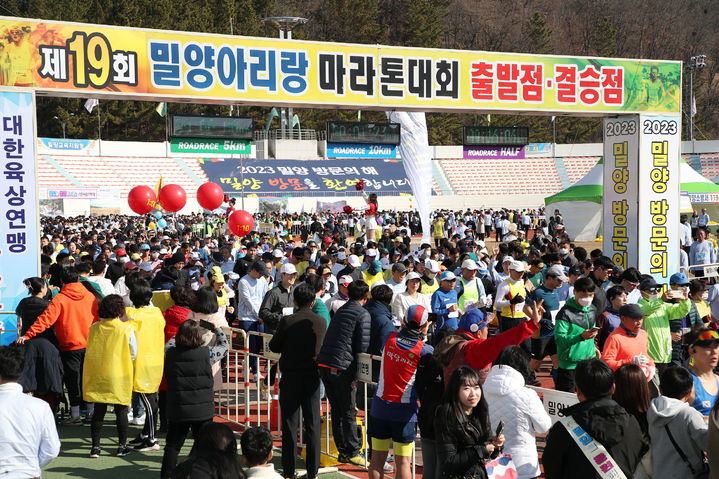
(553, 118)
(91, 103)
(694, 106)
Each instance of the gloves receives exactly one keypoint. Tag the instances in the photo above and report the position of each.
(516, 300)
(488, 301)
(640, 360)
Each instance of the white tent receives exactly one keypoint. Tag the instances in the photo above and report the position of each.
(581, 203)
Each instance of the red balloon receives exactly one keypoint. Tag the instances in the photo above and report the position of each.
(141, 199)
(241, 222)
(210, 196)
(172, 198)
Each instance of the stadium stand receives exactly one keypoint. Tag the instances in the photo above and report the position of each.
(578, 166)
(709, 166)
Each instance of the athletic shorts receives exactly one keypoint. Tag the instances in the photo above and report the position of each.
(543, 347)
(404, 432)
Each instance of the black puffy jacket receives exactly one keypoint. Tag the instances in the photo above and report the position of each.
(347, 335)
(608, 423)
(189, 378)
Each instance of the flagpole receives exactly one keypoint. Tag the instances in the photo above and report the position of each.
(99, 130)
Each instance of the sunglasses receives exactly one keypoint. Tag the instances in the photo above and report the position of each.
(707, 336)
(654, 290)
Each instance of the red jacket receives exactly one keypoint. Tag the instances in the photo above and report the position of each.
(174, 317)
(72, 312)
(480, 353)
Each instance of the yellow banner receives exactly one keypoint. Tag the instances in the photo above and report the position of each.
(101, 61)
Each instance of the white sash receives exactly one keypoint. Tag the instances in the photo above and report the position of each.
(596, 454)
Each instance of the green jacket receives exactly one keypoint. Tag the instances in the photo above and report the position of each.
(572, 320)
(657, 315)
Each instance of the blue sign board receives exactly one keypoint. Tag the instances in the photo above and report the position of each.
(360, 150)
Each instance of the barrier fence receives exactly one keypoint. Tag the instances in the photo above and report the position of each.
(246, 400)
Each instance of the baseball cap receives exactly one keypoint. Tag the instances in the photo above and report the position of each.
(631, 311)
(146, 266)
(679, 279)
(135, 257)
(647, 283)
(399, 268)
(413, 275)
(130, 265)
(416, 316)
(556, 271)
(341, 256)
(517, 266)
(447, 276)
(120, 252)
(326, 239)
(345, 280)
(144, 247)
(469, 264)
(195, 256)
(288, 268)
(432, 266)
(371, 252)
(385, 263)
(472, 321)
(354, 261)
(163, 250)
(278, 253)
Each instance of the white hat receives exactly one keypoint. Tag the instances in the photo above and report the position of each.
(385, 263)
(288, 268)
(517, 266)
(354, 261)
(371, 252)
(413, 275)
(345, 280)
(469, 264)
(163, 250)
(278, 253)
(432, 266)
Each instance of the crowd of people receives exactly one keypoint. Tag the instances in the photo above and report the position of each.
(464, 326)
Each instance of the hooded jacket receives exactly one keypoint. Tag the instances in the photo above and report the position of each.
(522, 413)
(572, 320)
(347, 335)
(657, 315)
(608, 423)
(72, 312)
(688, 430)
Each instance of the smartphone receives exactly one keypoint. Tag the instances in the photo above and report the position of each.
(675, 294)
(500, 427)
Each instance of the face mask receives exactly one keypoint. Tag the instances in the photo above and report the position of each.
(155, 255)
(653, 297)
(124, 259)
(585, 302)
(705, 296)
(563, 251)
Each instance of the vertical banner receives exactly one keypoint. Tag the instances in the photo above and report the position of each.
(659, 146)
(19, 235)
(621, 181)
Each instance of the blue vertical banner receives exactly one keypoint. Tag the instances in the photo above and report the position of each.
(19, 219)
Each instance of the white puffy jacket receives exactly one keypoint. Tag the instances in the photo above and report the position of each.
(523, 415)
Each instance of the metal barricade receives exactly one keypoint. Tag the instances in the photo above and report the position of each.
(701, 271)
(14, 332)
(248, 401)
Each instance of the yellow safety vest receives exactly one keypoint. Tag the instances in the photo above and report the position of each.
(424, 288)
(371, 279)
(515, 289)
(471, 292)
(107, 371)
(149, 326)
(222, 297)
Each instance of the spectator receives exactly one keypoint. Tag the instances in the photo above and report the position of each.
(381, 321)
(609, 320)
(28, 437)
(347, 335)
(574, 332)
(444, 302)
(252, 290)
(149, 327)
(98, 276)
(214, 455)
(71, 313)
(172, 273)
(657, 315)
(298, 339)
(463, 429)
(631, 391)
(318, 286)
(518, 407)
(190, 397)
(256, 443)
(411, 296)
(600, 417)
(393, 415)
(341, 296)
(678, 431)
(628, 343)
(109, 382)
